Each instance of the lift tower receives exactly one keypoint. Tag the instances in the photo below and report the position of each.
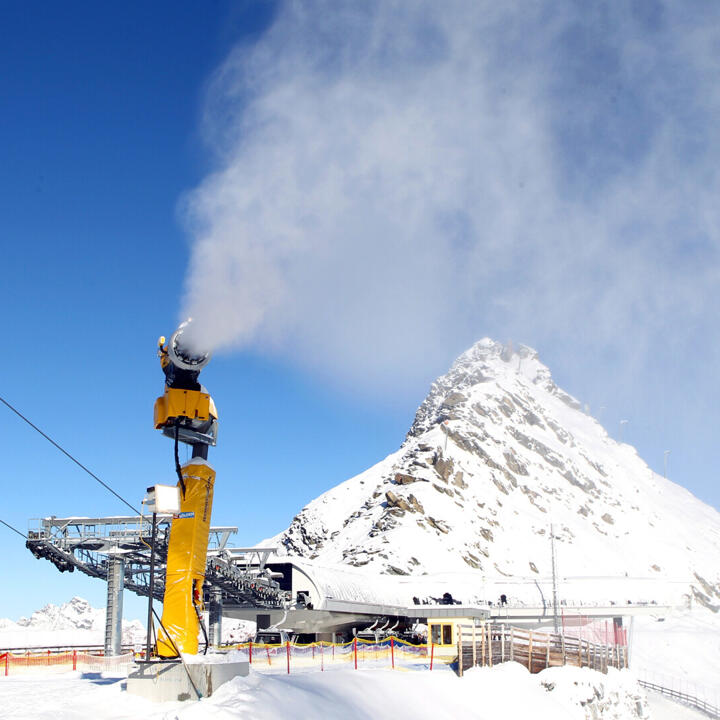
(186, 413)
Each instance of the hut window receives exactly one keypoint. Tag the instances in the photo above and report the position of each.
(441, 634)
(435, 634)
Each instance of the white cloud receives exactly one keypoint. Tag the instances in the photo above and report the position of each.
(397, 179)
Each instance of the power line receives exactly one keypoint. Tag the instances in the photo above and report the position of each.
(67, 454)
(14, 529)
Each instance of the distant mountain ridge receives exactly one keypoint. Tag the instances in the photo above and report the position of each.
(77, 614)
(73, 623)
(497, 453)
(77, 623)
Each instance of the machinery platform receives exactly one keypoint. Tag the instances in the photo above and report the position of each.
(169, 681)
(89, 545)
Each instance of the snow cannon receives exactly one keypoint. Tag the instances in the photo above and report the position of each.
(184, 350)
(186, 413)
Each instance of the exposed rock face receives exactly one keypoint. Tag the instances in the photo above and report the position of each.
(496, 453)
(403, 479)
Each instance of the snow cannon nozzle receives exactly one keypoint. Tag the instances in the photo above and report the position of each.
(184, 350)
(183, 357)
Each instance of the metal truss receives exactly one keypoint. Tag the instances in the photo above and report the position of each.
(85, 544)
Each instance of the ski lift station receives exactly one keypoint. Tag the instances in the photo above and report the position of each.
(295, 594)
(241, 583)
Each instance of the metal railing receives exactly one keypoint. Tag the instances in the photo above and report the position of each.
(690, 700)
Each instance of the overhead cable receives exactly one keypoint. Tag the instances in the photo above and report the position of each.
(67, 454)
(14, 529)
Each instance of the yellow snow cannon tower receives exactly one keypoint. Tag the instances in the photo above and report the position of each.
(186, 413)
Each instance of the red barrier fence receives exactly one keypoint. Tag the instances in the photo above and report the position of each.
(64, 661)
(484, 644)
(357, 653)
(604, 632)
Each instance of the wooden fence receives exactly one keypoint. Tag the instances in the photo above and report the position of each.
(491, 644)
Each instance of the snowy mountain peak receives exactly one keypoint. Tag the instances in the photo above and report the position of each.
(485, 362)
(496, 359)
(76, 614)
(74, 622)
(496, 453)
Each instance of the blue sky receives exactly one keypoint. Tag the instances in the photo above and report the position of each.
(386, 185)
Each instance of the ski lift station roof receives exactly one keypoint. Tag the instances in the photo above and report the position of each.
(327, 585)
(332, 598)
(329, 597)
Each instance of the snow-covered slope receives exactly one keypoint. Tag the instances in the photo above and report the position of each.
(72, 623)
(507, 691)
(498, 452)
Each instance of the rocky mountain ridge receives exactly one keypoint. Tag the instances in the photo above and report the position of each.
(77, 614)
(73, 622)
(76, 623)
(496, 456)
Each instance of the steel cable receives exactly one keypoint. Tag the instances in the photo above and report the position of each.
(67, 454)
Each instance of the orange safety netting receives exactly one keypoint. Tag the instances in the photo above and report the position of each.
(391, 652)
(65, 661)
(605, 632)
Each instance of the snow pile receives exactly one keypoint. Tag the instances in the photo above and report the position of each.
(72, 623)
(613, 696)
(237, 631)
(506, 691)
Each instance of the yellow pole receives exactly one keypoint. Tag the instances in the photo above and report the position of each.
(187, 553)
